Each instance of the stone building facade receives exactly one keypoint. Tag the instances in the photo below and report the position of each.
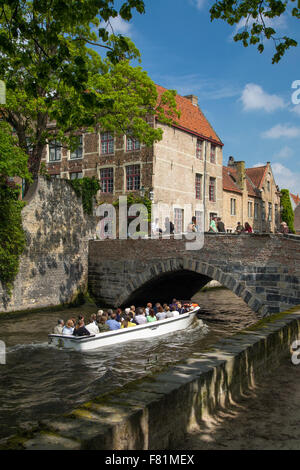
(182, 173)
(250, 195)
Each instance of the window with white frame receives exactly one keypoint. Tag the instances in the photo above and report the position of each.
(132, 144)
(256, 211)
(212, 153)
(107, 180)
(133, 177)
(54, 151)
(212, 190)
(199, 146)
(198, 186)
(107, 143)
(270, 212)
(178, 220)
(250, 209)
(76, 175)
(232, 206)
(77, 153)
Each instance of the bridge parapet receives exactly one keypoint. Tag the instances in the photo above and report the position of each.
(263, 269)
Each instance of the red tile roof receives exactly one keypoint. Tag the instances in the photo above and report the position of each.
(257, 175)
(296, 199)
(192, 119)
(230, 177)
(229, 180)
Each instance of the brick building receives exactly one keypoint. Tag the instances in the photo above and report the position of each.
(250, 195)
(184, 169)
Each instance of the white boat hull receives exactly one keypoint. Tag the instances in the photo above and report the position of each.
(139, 332)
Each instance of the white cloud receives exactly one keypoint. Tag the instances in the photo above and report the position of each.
(286, 178)
(206, 89)
(296, 109)
(118, 26)
(200, 4)
(254, 97)
(280, 130)
(285, 152)
(275, 23)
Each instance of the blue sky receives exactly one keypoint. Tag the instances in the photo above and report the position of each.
(245, 97)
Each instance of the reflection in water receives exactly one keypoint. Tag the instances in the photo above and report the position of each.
(39, 381)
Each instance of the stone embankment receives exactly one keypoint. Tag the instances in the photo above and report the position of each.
(158, 411)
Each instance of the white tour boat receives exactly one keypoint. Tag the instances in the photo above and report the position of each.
(139, 332)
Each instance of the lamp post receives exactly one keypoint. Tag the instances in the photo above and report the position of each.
(142, 191)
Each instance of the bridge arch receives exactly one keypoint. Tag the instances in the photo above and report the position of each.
(182, 278)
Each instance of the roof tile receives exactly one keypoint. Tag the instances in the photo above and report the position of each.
(192, 119)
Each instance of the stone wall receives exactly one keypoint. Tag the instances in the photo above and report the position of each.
(54, 266)
(262, 269)
(156, 413)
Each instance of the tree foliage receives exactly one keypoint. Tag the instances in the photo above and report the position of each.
(287, 214)
(255, 16)
(55, 76)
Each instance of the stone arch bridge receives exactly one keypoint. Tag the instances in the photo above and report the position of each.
(262, 269)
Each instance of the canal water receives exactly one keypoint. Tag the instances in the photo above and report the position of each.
(39, 382)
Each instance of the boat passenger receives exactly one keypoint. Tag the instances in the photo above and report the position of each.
(68, 328)
(113, 323)
(180, 308)
(127, 311)
(169, 314)
(126, 323)
(119, 314)
(174, 311)
(174, 303)
(140, 316)
(92, 326)
(149, 306)
(132, 318)
(151, 317)
(132, 309)
(59, 327)
(161, 314)
(102, 325)
(110, 312)
(156, 307)
(80, 329)
(100, 312)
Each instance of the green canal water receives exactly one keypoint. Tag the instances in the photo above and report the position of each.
(39, 382)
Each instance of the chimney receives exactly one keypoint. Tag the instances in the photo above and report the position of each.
(193, 99)
(231, 161)
(240, 174)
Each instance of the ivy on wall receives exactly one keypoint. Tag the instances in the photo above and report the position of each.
(86, 188)
(12, 236)
(287, 214)
(136, 199)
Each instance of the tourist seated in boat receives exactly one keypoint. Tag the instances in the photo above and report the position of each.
(80, 329)
(113, 323)
(180, 308)
(161, 314)
(68, 328)
(151, 317)
(120, 315)
(140, 316)
(169, 314)
(148, 307)
(173, 304)
(92, 327)
(156, 307)
(102, 325)
(127, 323)
(174, 311)
(59, 327)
